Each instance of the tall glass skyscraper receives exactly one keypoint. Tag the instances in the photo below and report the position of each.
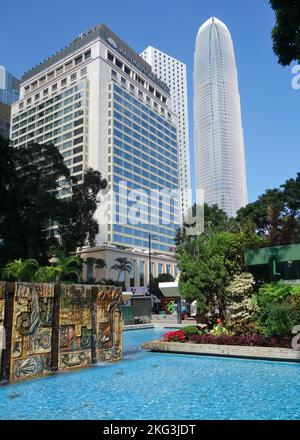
(219, 145)
(9, 87)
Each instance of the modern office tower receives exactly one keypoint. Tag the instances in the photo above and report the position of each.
(173, 73)
(99, 102)
(9, 87)
(9, 93)
(219, 145)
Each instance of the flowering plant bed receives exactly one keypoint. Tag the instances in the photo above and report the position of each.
(253, 340)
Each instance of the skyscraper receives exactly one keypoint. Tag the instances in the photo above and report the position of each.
(173, 73)
(9, 87)
(219, 144)
(99, 102)
(9, 93)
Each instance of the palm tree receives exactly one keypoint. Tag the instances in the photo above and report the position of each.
(46, 274)
(65, 265)
(122, 264)
(99, 264)
(21, 270)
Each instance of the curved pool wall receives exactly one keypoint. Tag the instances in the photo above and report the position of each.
(147, 385)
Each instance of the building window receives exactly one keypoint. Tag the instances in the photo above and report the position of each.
(132, 272)
(77, 169)
(87, 54)
(73, 76)
(142, 272)
(160, 268)
(119, 63)
(83, 71)
(127, 70)
(90, 270)
(78, 140)
(110, 57)
(78, 131)
(77, 150)
(78, 60)
(77, 159)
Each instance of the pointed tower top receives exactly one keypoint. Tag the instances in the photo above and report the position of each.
(213, 21)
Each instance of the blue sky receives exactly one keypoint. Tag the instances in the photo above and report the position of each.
(32, 30)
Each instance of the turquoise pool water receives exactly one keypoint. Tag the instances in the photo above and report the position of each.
(160, 386)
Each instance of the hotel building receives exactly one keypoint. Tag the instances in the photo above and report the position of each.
(102, 106)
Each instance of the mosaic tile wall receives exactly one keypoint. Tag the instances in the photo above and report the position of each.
(55, 327)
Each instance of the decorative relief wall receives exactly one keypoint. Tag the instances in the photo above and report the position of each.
(31, 330)
(75, 326)
(56, 327)
(107, 314)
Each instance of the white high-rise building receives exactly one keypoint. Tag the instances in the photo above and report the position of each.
(219, 144)
(100, 103)
(173, 73)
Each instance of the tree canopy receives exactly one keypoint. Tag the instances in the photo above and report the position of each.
(208, 262)
(77, 225)
(276, 213)
(286, 32)
(29, 185)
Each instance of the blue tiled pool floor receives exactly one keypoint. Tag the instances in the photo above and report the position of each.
(160, 386)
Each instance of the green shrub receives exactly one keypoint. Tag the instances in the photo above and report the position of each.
(276, 320)
(191, 330)
(279, 308)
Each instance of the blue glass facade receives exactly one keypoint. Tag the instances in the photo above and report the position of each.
(144, 155)
(9, 87)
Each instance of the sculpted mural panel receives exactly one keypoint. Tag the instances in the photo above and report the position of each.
(57, 327)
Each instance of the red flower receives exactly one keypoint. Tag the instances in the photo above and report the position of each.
(175, 336)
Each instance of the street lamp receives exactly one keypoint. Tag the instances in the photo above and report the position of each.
(151, 237)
